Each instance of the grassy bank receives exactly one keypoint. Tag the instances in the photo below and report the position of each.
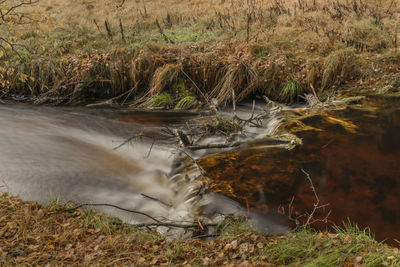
(179, 54)
(34, 235)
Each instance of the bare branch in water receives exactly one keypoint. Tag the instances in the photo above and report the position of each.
(310, 217)
(130, 139)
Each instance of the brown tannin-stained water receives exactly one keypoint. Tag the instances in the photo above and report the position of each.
(352, 156)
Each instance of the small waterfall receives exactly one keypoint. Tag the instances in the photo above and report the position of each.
(46, 155)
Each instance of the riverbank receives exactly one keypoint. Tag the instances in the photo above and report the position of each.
(33, 234)
(183, 55)
(190, 55)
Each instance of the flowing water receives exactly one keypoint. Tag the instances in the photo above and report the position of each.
(351, 154)
(49, 153)
(73, 154)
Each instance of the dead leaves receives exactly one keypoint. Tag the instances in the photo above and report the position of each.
(29, 235)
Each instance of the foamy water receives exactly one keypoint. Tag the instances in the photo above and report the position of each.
(43, 158)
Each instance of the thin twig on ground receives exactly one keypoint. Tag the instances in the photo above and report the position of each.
(112, 206)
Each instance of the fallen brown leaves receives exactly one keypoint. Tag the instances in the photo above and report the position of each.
(31, 234)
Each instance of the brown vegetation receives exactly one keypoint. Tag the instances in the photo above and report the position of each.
(132, 51)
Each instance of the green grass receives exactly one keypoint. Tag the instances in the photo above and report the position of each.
(163, 100)
(310, 248)
(187, 102)
(291, 91)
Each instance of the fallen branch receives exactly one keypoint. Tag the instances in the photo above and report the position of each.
(112, 206)
(157, 223)
(208, 146)
(177, 225)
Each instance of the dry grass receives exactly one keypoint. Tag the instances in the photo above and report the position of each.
(251, 47)
(339, 67)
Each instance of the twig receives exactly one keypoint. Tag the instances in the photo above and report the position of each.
(108, 29)
(203, 172)
(3, 14)
(234, 103)
(129, 94)
(166, 38)
(151, 147)
(121, 4)
(316, 204)
(139, 135)
(327, 144)
(113, 206)
(310, 216)
(158, 200)
(390, 7)
(177, 225)
(97, 25)
(248, 27)
(243, 121)
(121, 28)
(208, 146)
(197, 88)
(147, 225)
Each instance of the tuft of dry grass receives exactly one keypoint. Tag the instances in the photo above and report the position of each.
(164, 78)
(339, 67)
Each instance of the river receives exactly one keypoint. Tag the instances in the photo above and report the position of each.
(351, 154)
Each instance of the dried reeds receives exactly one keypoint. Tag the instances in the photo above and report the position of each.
(340, 66)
